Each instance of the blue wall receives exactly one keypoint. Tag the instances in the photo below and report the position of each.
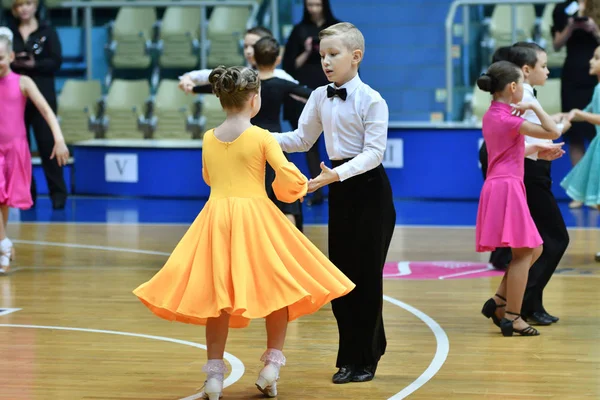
(405, 51)
(434, 164)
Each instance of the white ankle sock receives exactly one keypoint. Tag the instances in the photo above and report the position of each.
(274, 357)
(5, 243)
(215, 369)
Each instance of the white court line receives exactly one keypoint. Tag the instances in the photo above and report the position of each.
(442, 349)
(237, 367)
(92, 247)
(464, 273)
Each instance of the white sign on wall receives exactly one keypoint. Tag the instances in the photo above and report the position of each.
(119, 167)
(394, 154)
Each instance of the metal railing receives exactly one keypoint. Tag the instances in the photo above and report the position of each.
(88, 6)
(449, 24)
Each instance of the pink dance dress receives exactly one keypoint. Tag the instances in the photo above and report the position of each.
(503, 217)
(15, 158)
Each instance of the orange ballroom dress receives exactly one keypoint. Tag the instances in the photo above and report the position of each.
(242, 255)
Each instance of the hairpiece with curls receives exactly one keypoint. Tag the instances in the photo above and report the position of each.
(234, 85)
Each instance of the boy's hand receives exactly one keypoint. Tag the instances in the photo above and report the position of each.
(550, 151)
(186, 84)
(326, 177)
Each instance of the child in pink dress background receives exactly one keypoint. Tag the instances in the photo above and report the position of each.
(15, 158)
(503, 217)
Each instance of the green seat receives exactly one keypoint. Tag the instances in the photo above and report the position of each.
(179, 34)
(501, 24)
(225, 32)
(212, 112)
(125, 105)
(172, 109)
(132, 30)
(549, 96)
(76, 104)
(480, 102)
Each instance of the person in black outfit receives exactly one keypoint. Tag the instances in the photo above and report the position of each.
(273, 92)
(580, 33)
(302, 61)
(543, 207)
(39, 56)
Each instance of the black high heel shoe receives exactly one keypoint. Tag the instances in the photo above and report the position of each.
(489, 309)
(507, 328)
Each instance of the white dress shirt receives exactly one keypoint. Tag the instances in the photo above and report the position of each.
(530, 115)
(200, 77)
(356, 128)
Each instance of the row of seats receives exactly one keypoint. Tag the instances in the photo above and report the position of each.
(529, 27)
(137, 39)
(548, 96)
(129, 111)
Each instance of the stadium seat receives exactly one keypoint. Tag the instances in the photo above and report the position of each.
(76, 105)
(178, 38)
(126, 106)
(172, 108)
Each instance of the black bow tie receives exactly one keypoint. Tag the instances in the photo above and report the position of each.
(341, 93)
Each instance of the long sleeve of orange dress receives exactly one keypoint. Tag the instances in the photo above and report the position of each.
(289, 184)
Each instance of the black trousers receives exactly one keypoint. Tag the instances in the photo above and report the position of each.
(45, 142)
(550, 224)
(361, 223)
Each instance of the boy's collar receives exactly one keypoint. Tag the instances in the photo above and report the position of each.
(530, 89)
(351, 85)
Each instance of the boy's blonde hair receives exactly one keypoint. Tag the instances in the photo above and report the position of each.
(351, 36)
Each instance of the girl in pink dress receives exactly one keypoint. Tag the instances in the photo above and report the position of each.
(15, 158)
(503, 218)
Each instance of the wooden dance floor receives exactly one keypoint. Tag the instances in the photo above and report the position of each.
(70, 328)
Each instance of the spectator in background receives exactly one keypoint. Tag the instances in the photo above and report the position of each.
(575, 25)
(39, 56)
(302, 61)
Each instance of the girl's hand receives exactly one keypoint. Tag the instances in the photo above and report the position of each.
(61, 152)
(186, 84)
(519, 109)
(574, 115)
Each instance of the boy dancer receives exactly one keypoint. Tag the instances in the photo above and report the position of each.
(354, 119)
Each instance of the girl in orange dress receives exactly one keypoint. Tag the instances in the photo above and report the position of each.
(242, 258)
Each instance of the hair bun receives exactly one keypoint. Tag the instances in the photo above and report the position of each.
(486, 83)
(233, 85)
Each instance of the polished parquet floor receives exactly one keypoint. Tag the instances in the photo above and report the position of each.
(79, 333)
